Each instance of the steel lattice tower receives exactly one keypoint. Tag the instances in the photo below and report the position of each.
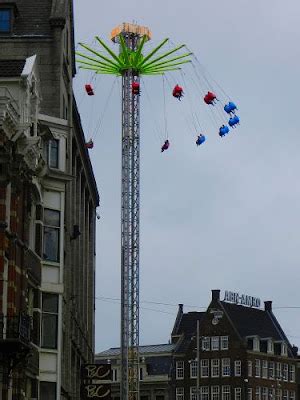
(130, 64)
(130, 230)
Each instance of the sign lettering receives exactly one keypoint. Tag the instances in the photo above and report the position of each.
(243, 299)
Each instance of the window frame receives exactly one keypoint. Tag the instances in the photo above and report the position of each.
(271, 370)
(48, 313)
(258, 393)
(257, 367)
(215, 369)
(206, 343)
(52, 228)
(249, 393)
(264, 393)
(226, 394)
(237, 368)
(285, 372)
(228, 367)
(179, 369)
(46, 383)
(202, 367)
(193, 368)
(250, 370)
(49, 152)
(264, 369)
(193, 393)
(224, 339)
(215, 392)
(180, 393)
(237, 393)
(292, 373)
(215, 343)
(204, 392)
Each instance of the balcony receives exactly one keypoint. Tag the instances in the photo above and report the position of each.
(33, 265)
(15, 334)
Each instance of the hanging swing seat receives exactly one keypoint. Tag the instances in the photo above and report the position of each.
(165, 146)
(135, 88)
(177, 92)
(89, 144)
(200, 140)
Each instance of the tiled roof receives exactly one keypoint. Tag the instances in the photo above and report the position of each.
(253, 321)
(155, 348)
(11, 68)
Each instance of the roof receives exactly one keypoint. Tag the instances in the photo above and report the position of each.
(188, 323)
(159, 365)
(253, 322)
(11, 68)
(154, 348)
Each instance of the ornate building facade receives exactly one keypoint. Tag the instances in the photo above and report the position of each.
(48, 200)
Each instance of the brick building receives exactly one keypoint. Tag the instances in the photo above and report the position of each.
(243, 354)
(48, 197)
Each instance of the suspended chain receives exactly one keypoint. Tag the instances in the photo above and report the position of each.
(130, 235)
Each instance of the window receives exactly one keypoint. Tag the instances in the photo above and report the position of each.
(238, 393)
(271, 394)
(204, 393)
(284, 349)
(51, 235)
(48, 390)
(215, 368)
(53, 153)
(237, 368)
(215, 343)
(49, 320)
(285, 394)
(225, 366)
(257, 393)
(193, 393)
(226, 392)
(257, 368)
(179, 369)
(264, 393)
(215, 392)
(5, 20)
(256, 344)
(206, 344)
(278, 394)
(292, 395)
(249, 393)
(278, 371)
(249, 368)
(264, 370)
(204, 368)
(285, 370)
(270, 346)
(180, 393)
(141, 374)
(193, 369)
(292, 373)
(224, 343)
(271, 370)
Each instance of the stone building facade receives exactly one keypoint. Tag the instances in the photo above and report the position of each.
(48, 200)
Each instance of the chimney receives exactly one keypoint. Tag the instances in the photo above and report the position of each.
(215, 294)
(268, 305)
(180, 308)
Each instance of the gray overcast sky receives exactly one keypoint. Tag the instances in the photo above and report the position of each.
(225, 215)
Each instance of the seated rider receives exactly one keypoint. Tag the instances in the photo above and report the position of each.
(210, 98)
(200, 139)
(135, 87)
(165, 146)
(223, 130)
(178, 92)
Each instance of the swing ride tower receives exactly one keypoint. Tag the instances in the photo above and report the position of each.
(130, 64)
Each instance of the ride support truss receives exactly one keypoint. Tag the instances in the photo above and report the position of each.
(130, 209)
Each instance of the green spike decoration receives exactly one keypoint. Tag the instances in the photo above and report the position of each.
(135, 61)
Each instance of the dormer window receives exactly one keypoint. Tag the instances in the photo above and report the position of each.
(270, 346)
(256, 344)
(283, 349)
(5, 20)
